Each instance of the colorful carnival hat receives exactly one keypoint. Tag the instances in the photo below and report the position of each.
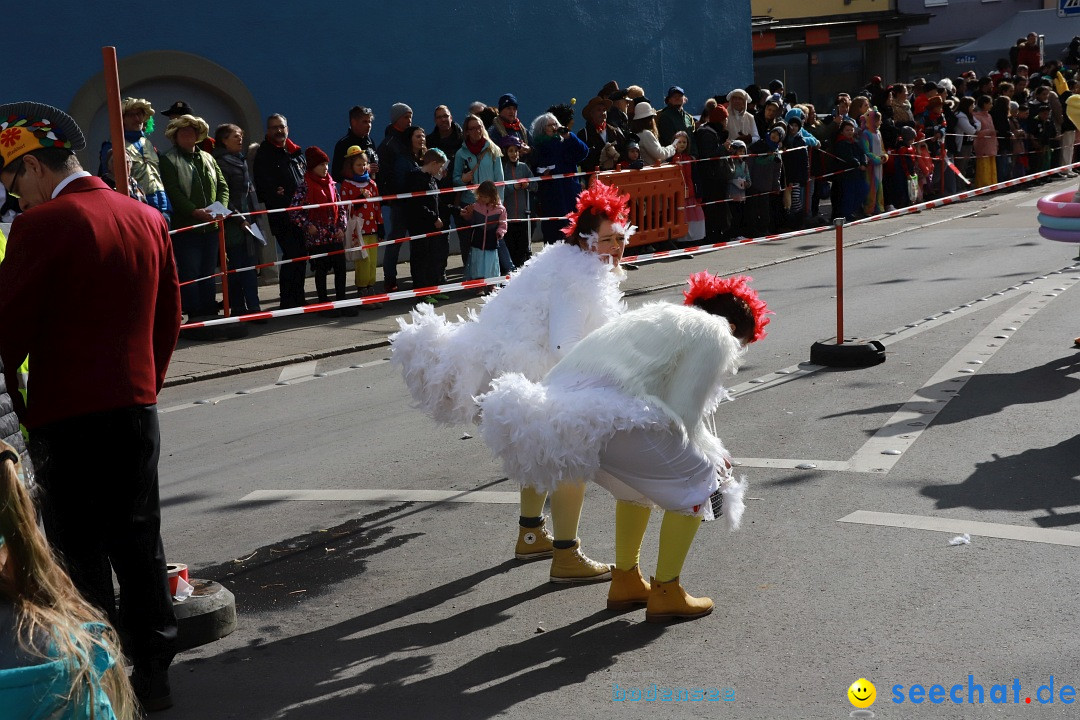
(605, 202)
(705, 286)
(27, 126)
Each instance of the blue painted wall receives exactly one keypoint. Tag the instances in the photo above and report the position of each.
(312, 61)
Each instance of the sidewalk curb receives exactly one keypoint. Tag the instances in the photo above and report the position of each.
(276, 362)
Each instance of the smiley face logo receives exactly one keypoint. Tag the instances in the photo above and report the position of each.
(862, 693)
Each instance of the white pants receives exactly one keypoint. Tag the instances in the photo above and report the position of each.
(651, 466)
(1065, 152)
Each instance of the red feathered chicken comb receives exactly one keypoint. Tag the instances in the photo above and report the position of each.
(704, 285)
(599, 199)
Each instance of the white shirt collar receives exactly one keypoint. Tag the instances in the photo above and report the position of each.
(68, 180)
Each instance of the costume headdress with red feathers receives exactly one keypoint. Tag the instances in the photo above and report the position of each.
(605, 201)
(704, 285)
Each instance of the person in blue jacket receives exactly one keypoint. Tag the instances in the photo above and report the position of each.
(58, 656)
(556, 151)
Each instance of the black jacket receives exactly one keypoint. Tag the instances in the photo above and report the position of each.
(364, 143)
(390, 149)
(596, 143)
(421, 212)
(276, 167)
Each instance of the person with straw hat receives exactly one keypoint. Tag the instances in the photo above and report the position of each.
(89, 289)
(194, 181)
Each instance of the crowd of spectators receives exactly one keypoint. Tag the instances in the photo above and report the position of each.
(755, 160)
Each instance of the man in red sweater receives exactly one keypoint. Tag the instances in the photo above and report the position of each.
(88, 291)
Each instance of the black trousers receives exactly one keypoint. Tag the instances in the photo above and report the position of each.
(324, 266)
(518, 242)
(291, 275)
(99, 480)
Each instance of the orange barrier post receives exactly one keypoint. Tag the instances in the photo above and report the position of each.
(839, 281)
(116, 119)
(656, 202)
(224, 266)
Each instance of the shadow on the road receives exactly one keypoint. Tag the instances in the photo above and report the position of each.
(990, 393)
(1036, 479)
(184, 499)
(283, 574)
(341, 672)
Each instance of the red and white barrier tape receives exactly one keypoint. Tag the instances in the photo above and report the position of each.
(694, 250)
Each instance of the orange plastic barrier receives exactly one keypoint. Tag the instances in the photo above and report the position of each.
(657, 196)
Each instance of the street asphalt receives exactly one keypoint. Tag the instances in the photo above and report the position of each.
(295, 472)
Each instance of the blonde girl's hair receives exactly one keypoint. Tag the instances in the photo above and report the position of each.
(487, 191)
(495, 150)
(47, 605)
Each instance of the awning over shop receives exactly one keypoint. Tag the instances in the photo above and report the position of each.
(982, 53)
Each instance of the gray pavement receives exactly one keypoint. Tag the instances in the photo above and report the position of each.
(402, 608)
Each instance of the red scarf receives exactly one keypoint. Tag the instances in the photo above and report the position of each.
(290, 147)
(320, 190)
(601, 127)
(512, 125)
(476, 148)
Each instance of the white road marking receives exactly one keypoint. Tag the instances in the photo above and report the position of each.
(297, 380)
(299, 370)
(882, 451)
(436, 496)
(972, 527)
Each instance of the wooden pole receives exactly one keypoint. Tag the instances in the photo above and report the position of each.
(116, 119)
(839, 281)
(224, 267)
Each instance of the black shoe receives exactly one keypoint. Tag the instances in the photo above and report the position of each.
(151, 685)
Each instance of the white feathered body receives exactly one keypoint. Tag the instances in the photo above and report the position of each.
(662, 364)
(554, 300)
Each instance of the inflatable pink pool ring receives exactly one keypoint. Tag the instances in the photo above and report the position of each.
(1060, 205)
(1069, 236)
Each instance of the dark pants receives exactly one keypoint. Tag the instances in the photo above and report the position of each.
(323, 266)
(427, 260)
(290, 275)
(196, 257)
(99, 482)
(399, 228)
(518, 242)
(243, 286)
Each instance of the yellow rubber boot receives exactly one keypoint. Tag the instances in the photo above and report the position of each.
(533, 543)
(667, 598)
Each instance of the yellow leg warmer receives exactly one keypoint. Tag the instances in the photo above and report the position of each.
(676, 534)
(532, 502)
(630, 523)
(566, 504)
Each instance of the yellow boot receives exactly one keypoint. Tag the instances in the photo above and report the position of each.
(668, 601)
(534, 543)
(570, 565)
(628, 589)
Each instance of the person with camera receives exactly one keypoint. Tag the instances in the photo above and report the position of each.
(557, 151)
